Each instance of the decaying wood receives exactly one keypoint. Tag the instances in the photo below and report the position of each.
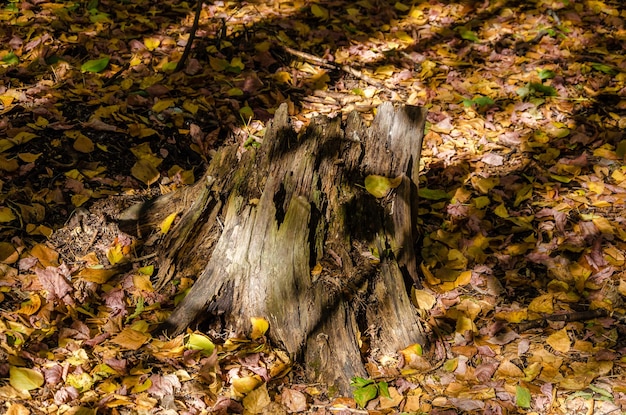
(303, 244)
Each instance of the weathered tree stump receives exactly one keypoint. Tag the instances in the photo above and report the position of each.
(289, 233)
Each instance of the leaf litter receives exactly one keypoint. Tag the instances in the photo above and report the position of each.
(523, 191)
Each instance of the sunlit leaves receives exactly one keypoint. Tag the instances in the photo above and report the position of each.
(95, 65)
(25, 379)
(166, 224)
(131, 339)
(522, 397)
(559, 341)
(198, 341)
(367, 389)
(259, 327)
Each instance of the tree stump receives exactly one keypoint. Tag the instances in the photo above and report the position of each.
(288, 232)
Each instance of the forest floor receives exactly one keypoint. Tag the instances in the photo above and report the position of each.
(522, 213)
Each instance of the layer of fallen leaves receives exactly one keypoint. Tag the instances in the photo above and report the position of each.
(524, 187)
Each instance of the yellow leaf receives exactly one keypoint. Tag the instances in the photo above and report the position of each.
(30, 306)
(412, 351)
(142, 282)
(147, 270)
(80, 199)
(130, 339)
(23, 137)
(6, 215)
(428, 275)
(151, 43)
(97, 275)
(47, 257)
(464, 323)
(542, 304)
(603, 225)
(501, 211)
(532, 371)
(423, 299)
(246, 384)
(83, 144)
(167, 223)
(28, 157)
(379, 186)
(515, 316)
(560, 341)
(259, 327)
(484, 184)
(8, 253)
(198, 341)
(115, 254)
(317, 270)
(162, 105)
(144, 171)
(319, 12)
(481, 201)
(386, 70)
(24, 379)
(508, 370)
(17, 409)
(596, 187)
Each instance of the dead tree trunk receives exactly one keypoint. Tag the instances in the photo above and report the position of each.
(289, 233)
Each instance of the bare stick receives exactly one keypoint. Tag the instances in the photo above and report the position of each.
(192, 36)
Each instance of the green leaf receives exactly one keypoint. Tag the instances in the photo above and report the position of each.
(523, 91)
(24, 379)
(246, 113)
(432, 194)
(10, 59)
(542, 89)
(522, 397)
(482, 101)
(383, 389)
(363, 395)
(95, 65)
(546, 74)
(468, 34)
(138, 309)
(601, 391)
(379, 186)
(358, 382)
(603, 68)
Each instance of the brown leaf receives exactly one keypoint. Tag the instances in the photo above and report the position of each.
(55, 281)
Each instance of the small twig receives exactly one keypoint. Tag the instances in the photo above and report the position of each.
(567, 317)
(143, 258)
(116, 75)
(192, 36)
(330, 65)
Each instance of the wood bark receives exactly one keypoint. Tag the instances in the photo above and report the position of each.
(288, 232)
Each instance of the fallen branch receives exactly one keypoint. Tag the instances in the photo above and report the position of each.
(330, 65)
